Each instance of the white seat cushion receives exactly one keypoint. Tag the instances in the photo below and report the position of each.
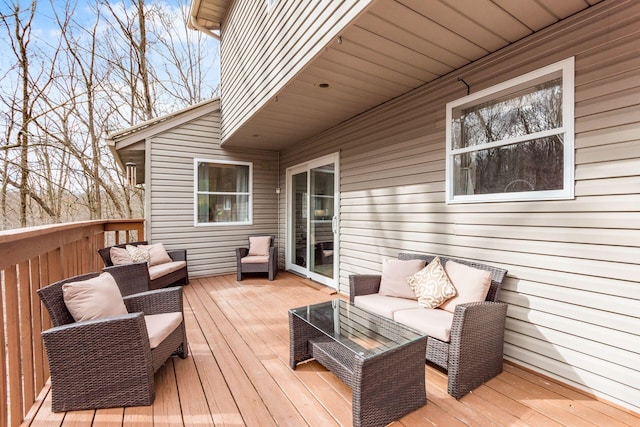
(159, 326)
(434, 322)
(255, 259)
(160, 270)
(383, 305)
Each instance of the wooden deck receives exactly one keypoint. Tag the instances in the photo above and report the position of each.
(238, 374)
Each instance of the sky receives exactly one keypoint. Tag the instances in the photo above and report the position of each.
(83, 9)
(45, 28)
(45, 32)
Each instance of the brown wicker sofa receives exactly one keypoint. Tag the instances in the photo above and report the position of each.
(110, 362)
(474, 352)
(122, 273)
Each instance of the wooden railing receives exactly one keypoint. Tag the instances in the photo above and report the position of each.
(31, 258)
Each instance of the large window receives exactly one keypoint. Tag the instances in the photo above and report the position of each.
(223, 192)
(513, 141)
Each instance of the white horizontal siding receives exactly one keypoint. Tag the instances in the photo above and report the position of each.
(210, 249)
(262, 50)
(573, 287)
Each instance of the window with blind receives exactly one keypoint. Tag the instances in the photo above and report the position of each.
(223, 192)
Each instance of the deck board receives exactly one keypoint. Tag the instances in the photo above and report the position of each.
(237, 374)
(265, 337)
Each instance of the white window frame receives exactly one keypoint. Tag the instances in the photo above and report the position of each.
(196, 162)
(567, 69)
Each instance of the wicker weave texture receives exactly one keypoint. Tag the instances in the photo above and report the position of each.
(475, 351)
(131, 275)
(270, 267)
(384, 387)
(107, 362)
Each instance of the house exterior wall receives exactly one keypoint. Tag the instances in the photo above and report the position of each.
(170, 194)
(283, 39)
(573, 286)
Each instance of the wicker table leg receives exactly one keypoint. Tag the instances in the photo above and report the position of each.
(389, 386)
(300, 332)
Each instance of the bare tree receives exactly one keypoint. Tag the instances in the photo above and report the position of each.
(61, 96)
(32, 88)
(129, 36)
(186, 57)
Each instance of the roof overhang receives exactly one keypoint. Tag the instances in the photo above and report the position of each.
(129, 145)
(207, 16)
(390, 49)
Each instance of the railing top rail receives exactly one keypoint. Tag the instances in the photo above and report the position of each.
(8, 236)
(31, 258)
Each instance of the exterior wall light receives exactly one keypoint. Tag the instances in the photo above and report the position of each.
(130, 169)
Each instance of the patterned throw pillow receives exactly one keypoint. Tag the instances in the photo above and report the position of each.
(432, 285)
(138, 254)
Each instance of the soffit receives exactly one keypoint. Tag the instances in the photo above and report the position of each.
(391, 49)
(209, 13)
(129, 145)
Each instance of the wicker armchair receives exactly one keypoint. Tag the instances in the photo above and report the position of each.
(269, 263)
(108, 362)
(474, 353)
(124, 273)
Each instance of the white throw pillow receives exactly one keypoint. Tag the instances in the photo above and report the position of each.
(472, 284)
(432, 285)
(95, 298)
(259, 245)
(157, 254)
(119, 256)
(395, 273)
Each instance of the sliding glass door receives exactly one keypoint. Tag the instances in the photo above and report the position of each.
(312, 220)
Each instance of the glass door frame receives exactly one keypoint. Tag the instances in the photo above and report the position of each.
(290, 264)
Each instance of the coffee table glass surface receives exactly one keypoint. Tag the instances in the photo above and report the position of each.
(364, 333)
(381, 360)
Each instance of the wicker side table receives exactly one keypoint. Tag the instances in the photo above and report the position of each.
(382, 361)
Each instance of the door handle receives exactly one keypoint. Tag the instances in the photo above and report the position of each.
(334, 224)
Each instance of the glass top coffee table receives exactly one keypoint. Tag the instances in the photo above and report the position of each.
(381, 360)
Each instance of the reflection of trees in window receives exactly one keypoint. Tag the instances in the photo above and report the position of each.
(534, 109)
(512, 162)
(535, 165)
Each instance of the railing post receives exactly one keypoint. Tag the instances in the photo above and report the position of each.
(32, 258)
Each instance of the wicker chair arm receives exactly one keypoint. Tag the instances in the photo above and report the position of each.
(90, 361)
(131, 278)
(489, 316)
(178, 254)
(476, 348)
(242, 252)
(165, 300)
(363, 284)
(108, 337)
